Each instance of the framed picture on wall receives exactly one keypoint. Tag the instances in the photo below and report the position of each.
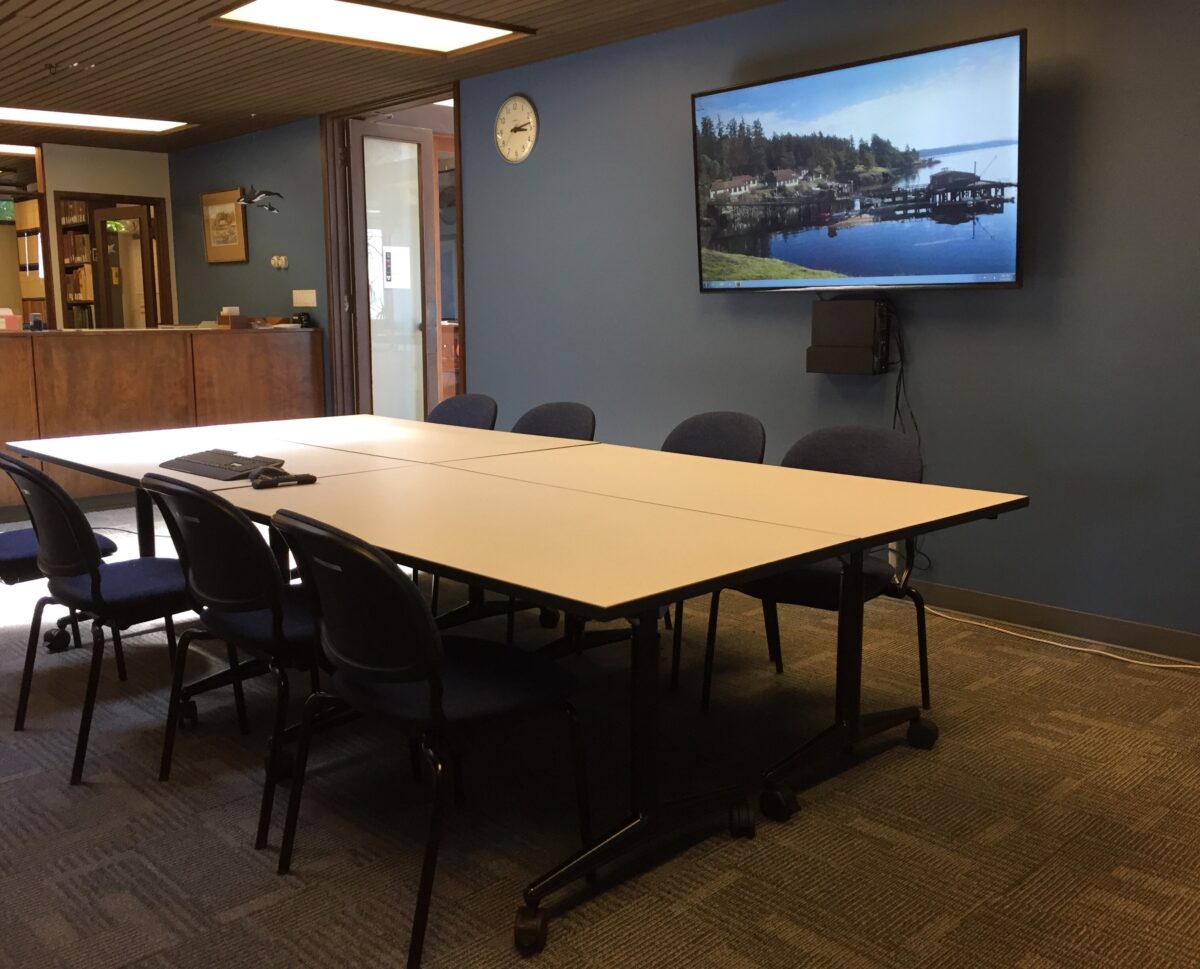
(224, 226)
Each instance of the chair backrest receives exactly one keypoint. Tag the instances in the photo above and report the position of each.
(226, 563)
(561, 418)
(872, 452)
(66, 543)
(465, 410)
(374, 622)
(724, 434)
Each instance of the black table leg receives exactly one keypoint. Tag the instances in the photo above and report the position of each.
(830, 750)
(650, 820)
(144, 512)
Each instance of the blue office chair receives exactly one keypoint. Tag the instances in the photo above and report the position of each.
(563, 418)
(873, 452)
(465, 410)
(117, 595)
(391, 664)
(18, 563)
(235, 584)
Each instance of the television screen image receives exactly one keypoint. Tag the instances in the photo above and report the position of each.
(900, 172)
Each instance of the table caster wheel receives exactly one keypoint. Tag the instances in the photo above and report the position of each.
(778, 802)
(548, 618)
(741, 819)
(922, 734)
(189, 714)
(57, 641)
(284, 764)
(529, 930)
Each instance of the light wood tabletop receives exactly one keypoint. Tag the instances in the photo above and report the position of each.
(421, 441)
(126, 457)
(571, 548)
(868, 508)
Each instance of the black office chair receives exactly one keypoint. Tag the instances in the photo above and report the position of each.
(873, 452)
(465, 410)
(117, 594)
(725, 434)
(18, 563)
(563, 418)
(235, 584)
(393, 665)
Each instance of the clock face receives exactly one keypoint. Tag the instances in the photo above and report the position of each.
(516, 129)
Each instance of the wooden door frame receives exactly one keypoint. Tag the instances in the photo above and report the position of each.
(149, 283)
(349, 385)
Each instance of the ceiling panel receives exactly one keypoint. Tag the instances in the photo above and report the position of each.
(164, 59)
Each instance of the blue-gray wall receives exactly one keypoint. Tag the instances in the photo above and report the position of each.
(1080, 389)
(286, 159)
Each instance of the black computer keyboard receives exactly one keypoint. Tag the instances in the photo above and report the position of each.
(219, 464)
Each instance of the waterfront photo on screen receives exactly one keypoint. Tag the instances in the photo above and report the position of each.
(898, 172)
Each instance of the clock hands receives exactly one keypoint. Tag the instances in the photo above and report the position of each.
(521, 127)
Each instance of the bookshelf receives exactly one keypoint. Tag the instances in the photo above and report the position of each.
(77, 259)
(31, 258)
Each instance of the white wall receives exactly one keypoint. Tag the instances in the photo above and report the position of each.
(106, 171)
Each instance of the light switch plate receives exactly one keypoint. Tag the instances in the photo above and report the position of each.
(304, 298)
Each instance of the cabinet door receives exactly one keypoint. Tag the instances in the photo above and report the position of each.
(125, 292)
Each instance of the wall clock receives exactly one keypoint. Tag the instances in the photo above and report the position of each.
(516, 129)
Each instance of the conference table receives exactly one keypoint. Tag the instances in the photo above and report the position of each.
(599, 531)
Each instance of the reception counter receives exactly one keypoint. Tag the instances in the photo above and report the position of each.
(58, 383)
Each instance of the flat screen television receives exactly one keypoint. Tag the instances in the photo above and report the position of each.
(900, 172)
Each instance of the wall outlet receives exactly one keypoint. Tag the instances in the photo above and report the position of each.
(304, 298)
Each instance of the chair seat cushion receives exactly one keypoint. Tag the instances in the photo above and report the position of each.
(819, 585)
(253, 630)
(133, 591)
(480, 680)
(18, 554)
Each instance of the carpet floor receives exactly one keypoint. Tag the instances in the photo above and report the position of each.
(1056, 823)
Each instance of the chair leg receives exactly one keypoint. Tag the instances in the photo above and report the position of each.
(174, 706)
(433, 594)
(239, 694)
(579, 765)
(429, 865)
(314, 678)
(456, 770)
(119, 653)
(169, 622)
(312, 709)
(676, 644)
(282, 694)
(710, 650)
(771, 621)
(414, 757)
(89, 703)
(35, 633)
(667, 618)
(76, 637)
(922, 644)
(510, 628)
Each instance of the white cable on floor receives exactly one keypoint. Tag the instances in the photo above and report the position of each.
(1051, 642)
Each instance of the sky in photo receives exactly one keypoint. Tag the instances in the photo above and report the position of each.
(958, 96)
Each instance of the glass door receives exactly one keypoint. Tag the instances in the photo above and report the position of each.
(126, 268)
(392, 199)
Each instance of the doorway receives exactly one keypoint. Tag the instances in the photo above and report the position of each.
(396, 336)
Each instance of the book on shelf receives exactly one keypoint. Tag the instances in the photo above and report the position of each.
(76, 248)
(72, 212)
(79, 283)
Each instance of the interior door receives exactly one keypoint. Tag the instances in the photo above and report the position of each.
(126, 268)
(392, 205)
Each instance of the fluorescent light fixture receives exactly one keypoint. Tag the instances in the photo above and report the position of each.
(71, 119)
(18, 150)
(367, 24)
(448, 103)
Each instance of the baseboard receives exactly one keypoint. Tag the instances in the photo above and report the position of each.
(1176, 643)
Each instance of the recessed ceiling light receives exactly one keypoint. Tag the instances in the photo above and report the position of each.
(71, 119)
(18, 150)
(368, 25)
(448, 103)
